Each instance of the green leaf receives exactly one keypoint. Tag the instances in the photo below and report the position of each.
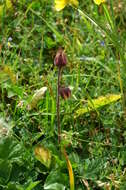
(5, 171)
(92, 168)
(15, 91)
(55, 186)
(32, 185)
(123, 186)
(10, 149)
(97, 103)
(56, 181)
(13, 186)
(50, 42)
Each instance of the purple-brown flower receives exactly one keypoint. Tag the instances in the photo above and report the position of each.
(60, 58)
(65, 92)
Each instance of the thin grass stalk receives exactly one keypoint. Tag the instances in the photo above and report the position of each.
(121, 85)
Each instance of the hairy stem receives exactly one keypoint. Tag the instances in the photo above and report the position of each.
(58, 106)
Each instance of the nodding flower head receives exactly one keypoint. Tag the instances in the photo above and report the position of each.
(60, 58)
(65, 92)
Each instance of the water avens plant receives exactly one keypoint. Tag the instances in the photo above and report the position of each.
(60, 61)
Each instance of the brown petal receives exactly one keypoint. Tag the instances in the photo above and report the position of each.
(60, 58)
(65, 92)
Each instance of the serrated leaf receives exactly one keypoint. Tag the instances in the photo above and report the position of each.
(43, 155)
(92, 168)
(97, 103)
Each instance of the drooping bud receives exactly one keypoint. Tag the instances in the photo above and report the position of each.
(60, 58)
(65, 92)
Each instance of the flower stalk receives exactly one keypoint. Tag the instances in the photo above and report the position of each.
(60, 61)
(58, 105)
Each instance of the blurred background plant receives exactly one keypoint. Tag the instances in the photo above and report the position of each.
(94, 39)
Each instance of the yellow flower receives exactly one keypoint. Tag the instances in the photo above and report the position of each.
(98, 2)
(60, 4)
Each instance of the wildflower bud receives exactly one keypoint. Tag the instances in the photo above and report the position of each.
(64, 92)
(60, 58)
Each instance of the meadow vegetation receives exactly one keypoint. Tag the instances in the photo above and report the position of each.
(91, 152)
